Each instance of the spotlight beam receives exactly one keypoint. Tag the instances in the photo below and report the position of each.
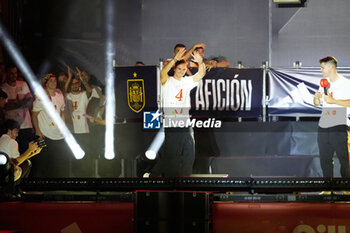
(39, 91)
(157, 142)
(110, 96)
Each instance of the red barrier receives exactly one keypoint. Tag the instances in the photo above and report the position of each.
(281, 217)
(227, 217)
(33, 217)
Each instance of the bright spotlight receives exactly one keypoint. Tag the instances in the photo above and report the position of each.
(110, 96)
(151, 155)
(3, 159)
(157, 142)
(39, 91)
(5, 168)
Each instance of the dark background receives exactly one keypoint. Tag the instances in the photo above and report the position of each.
(58, 32)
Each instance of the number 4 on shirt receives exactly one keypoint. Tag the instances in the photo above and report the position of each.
(75, 105)
(179, 95)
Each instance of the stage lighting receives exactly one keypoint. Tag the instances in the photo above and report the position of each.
(297, 64)
(289, 3)
(110, 95)
(265, 64)
(286, 1)
(5, 168)
(3, 159)
(158, 140)
(150, 154)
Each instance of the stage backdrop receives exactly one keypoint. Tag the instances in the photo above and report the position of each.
(229, 93)
(291, 90)
(135, 90)
(223, 93)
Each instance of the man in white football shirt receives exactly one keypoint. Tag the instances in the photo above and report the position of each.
(178, 156)
(334, 122)
(77, 99)
(55, 160)
(18, 106)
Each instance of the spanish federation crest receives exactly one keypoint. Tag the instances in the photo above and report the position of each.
(136, 94)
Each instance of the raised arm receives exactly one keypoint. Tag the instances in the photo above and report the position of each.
(189, 52)
(214, 63)
(70, 76)
(201, 66)
(223, 64)
(164, 73)
(85, 83)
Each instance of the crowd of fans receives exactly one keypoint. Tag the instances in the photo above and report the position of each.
(24, 120)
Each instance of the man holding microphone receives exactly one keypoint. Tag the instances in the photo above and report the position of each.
(334, 122)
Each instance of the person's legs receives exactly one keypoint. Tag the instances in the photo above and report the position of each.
(54, 159)
(40, 162)
(326, 151)
(339, 140)
(188, 154)
(165, 164)
(82, 167)
(178, 154)
(24, 137)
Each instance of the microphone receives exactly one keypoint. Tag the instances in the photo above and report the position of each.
(324, 83)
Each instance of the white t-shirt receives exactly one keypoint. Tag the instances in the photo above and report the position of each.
(176, 99)
(79, 104)
(18, 92)
(333, 114)
(46, 124)
(9, 146)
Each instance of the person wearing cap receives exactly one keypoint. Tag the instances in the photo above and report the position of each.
(334, 122)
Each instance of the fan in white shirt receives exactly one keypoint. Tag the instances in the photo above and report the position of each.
(43, 124)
